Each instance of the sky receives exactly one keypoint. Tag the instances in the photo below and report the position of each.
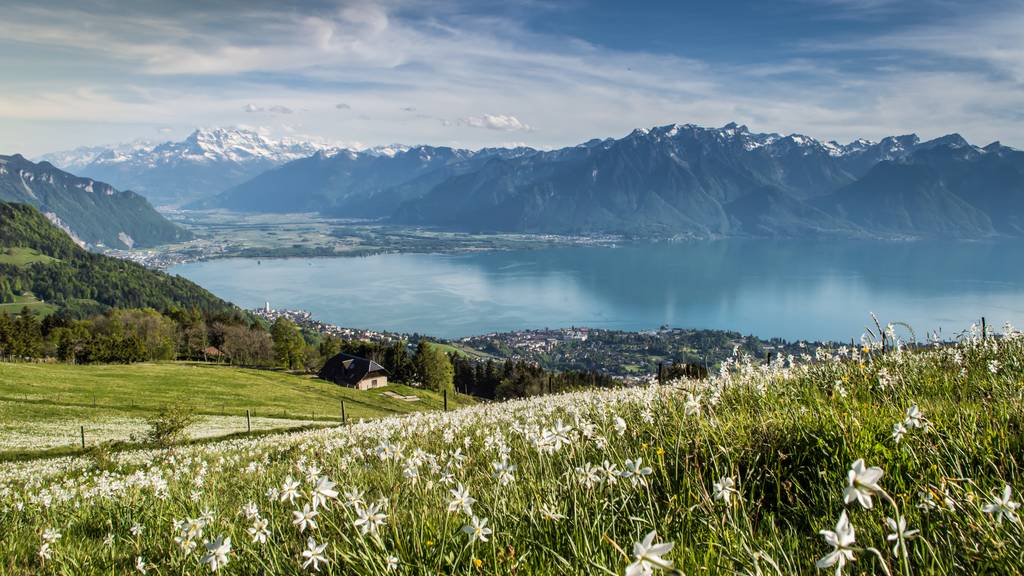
(481, 73)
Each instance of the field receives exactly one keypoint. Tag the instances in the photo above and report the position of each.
(43, 405)
(22, 256)
(799, 467)
(29, 301)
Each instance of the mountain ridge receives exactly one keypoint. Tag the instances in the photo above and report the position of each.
(92, 212)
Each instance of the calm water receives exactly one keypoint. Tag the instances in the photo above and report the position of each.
(794, 290)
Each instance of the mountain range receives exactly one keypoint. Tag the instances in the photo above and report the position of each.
(93, 213)
(169, 173)
(675, 180)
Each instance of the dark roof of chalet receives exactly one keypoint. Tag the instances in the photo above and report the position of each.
(347, 369)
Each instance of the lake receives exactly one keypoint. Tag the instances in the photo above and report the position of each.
(813, 290)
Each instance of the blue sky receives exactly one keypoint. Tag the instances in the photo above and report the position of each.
(484, 73)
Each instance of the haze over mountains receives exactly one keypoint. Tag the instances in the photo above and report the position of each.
(674, 180)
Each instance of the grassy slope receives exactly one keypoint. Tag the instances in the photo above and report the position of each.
(95, 392)
(33, 304)
(22, 256)
(786, 435)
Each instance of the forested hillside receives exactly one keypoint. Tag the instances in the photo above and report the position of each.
(75, 275)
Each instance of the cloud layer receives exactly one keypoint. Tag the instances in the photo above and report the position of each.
(90, 72)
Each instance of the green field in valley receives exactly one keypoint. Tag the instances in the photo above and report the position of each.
(42, 405)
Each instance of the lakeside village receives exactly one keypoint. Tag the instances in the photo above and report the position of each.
(634, 357)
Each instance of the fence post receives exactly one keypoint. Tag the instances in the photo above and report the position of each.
(984, 330)
(445, 399)
(81, 430)
(344, 419)
(248, 422)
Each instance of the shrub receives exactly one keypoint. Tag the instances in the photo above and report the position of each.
(168, 425)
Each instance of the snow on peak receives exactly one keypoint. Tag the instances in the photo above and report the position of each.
(204, 145)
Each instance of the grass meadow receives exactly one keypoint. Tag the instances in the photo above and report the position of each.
(894, 460)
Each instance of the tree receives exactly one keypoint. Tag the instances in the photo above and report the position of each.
(289, 346)
(433, 367)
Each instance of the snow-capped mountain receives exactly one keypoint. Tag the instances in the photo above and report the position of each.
(205, 163)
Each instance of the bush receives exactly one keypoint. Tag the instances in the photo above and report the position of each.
(169, 424)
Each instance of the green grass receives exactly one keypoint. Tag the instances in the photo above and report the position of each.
(27, 301)
(786, 435)
(464, 351)
(23, 256)
(38, 394)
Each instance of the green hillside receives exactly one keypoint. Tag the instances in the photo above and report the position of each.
(45, 399)
(38, 258)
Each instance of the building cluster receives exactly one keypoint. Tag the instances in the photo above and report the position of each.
(304, 319)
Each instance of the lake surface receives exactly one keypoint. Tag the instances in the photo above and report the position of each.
(795, 290)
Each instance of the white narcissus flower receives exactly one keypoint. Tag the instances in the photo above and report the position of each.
(899, 530)
(477, 529)
(841, 540)
(140, 564)
(725, 488)
(217, 552)
(914, 417)
(305, 518)
(391, 563)
(259, 531)
(620, 425)
(862, 484)
(370, 519)
(898, 431)
(289, 490)
(692, 405)
(314, 554)
(461, 500)
(647, 556)
(323, 492)
(1003, 506)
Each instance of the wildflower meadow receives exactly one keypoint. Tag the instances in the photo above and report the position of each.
(881, 458)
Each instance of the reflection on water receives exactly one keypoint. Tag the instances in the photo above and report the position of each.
(795, 290)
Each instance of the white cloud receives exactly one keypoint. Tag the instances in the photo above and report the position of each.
(277, 109)
(505, 122)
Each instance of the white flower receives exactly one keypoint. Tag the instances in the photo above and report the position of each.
(725, 488)
(548, 512)
(648, 556)
(353, 498)
(250, 511)
(588, 475)
(692, 405)
(477, 529)
(370, 519)
(461, 501)
(391, 563)
(898, 431)
(136, 529)
(109, 540)
(862, 483)
(289, 490)
(304, 518)
(314, 554)
(217, 553)
(259, 531)
(841, 541)
(899, 530)
(635, 471)
(503, 472)
(620, 425)
(140, 564)
(323, 492)
(914, 417)
(50, 536)
(610, 471)
(45, 553)
(1003, 506)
